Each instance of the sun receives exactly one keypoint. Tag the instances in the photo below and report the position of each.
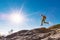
(16, 18)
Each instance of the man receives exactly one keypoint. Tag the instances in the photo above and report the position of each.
(43, 20)
(11, 31)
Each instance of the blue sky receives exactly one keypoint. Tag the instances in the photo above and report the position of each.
(32, 10)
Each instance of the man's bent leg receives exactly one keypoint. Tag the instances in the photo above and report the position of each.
(46, 22)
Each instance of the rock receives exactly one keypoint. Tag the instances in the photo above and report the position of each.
(36, 34)
(29, 33)
(58, 39)
(52, 38)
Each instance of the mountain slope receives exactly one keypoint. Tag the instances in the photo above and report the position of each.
(37, 34)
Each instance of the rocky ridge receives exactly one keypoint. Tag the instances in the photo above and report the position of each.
(51, 33)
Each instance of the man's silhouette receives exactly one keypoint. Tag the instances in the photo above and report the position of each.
(11, 31)
(43, 20)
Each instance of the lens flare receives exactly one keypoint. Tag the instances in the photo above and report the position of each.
(16, 18)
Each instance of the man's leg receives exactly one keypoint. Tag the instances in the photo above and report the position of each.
(42, 23)
(46, 22)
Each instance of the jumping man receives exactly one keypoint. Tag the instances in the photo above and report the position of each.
(43, 20)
